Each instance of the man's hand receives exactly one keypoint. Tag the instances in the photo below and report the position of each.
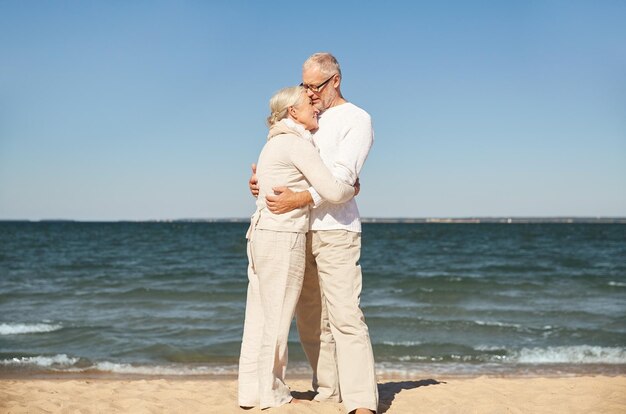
(357, 187)
(284, 200)
(254, 183)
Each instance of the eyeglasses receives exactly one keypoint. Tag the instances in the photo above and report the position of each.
(317, 88)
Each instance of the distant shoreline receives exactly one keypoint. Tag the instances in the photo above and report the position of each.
(376, 220)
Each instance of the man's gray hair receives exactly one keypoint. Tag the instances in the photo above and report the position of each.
(326, 63)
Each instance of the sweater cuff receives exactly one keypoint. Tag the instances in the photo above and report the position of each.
(317, 200)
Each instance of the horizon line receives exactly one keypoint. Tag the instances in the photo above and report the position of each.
(453, 219)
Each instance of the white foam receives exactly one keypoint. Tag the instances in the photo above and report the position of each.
(60, 360)
(27, 328)
(583, 354)
(488, 348)
(496, 323)
(118, 368)
(63, 363)
(617, 284)
(402, 343)
(420, 358)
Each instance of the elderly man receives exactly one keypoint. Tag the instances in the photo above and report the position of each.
(330, 322)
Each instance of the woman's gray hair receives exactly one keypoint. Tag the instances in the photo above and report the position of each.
(326, 63)
(282, 101)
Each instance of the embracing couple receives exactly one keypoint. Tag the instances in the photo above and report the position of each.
(304, 244)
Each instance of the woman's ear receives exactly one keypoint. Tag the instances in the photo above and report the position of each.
(292, 111)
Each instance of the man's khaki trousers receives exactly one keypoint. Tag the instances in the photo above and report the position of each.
(275, 273)
(330, 322)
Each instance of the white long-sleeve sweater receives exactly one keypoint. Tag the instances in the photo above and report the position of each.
(344, 139)
(289, 159)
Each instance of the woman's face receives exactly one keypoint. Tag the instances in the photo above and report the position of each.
(305, 113)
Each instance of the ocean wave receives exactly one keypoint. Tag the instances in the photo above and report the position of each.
(583, 354)
(227, 369)
(617, 284)
(491, 359)
(64, 363)
(118, 368)
(499, 324)
(27, 328)
(402, 343)
(489, 348)
(488, 354)
(451, 358)
(55, 361)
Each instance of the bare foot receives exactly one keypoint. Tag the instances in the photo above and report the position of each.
(295, 401)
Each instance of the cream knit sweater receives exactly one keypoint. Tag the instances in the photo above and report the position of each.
(289, 159)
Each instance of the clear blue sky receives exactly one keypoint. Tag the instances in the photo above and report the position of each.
(155, 110)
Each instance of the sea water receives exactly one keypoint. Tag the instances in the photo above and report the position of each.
(169, 298)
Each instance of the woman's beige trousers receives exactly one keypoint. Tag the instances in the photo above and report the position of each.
(275, 275)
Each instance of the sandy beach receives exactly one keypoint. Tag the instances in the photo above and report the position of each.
(575, 394)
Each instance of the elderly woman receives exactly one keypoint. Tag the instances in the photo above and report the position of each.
(276, 246)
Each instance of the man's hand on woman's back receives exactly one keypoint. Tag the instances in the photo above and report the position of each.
(254, 183)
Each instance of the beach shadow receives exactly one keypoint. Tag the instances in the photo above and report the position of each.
(387, 391)
(303, 395)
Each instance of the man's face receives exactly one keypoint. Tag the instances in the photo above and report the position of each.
(323, 98)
